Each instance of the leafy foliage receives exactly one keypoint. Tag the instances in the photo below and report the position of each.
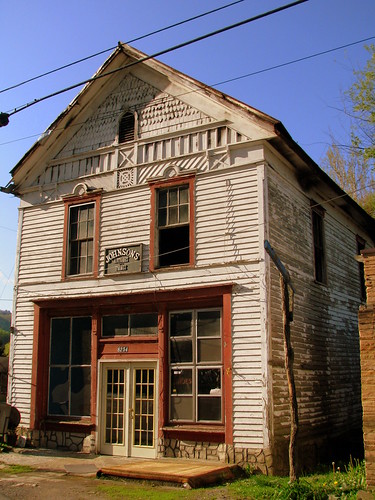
(352, 165)
(5, 317)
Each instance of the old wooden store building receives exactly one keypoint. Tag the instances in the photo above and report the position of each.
(147, 312)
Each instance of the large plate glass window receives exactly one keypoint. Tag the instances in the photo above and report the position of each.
(195, 353)
(70, 367)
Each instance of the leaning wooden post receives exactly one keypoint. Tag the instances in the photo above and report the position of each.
(285, 284)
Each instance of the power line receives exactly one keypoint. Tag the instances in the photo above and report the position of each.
(157, 54)
(223, 82)
(112, 48)
(305, 58)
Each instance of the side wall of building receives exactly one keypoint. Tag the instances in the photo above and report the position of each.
(324, 331)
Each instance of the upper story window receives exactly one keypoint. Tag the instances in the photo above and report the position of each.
(317, 216)
(172, 235)
(126, 131)
(81, 236)
(81, 239)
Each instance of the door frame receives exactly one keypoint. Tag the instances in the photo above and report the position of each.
(128, 365)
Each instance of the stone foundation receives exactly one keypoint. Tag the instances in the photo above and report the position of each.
(256, 460)
(65, 440)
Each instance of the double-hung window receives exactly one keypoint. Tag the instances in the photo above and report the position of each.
(70, 367)
(80, 256)
(81, 239)
(195, 354)
(172, 235)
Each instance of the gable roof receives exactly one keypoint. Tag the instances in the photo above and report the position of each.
(122, 59)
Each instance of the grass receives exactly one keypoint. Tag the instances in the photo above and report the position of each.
(16, 469)
(338, 483)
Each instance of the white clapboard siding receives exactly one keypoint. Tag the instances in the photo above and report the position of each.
(41, 243)
(226, 224)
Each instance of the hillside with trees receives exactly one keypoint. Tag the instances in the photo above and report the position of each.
(5, 319)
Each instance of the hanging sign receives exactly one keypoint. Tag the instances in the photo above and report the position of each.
(123, 259)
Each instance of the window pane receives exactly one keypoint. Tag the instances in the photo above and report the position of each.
(82, 230)
(74, 211)
(73, 231)
(81, 391)
(184, 195)
(181, 351)
(163, 193)
(144, 324)
(162, 217)
(209, 409)
(181, 408)
(174, 244)
(60, 341)
(173, 196)
(58, 391)
(209, 350)
(184, 213)
(173, 215)
(208, 324)
(181, 381)
(113, 326)
(90, 229)
(181, 324)
(89, 264)
(209, 381)
(81, 341)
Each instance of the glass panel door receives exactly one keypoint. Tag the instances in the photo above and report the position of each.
(115, 403)
(128, 409)
(143, 412)
(113, 410)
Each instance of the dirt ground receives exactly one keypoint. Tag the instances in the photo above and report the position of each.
(43, 485)
(51, 485)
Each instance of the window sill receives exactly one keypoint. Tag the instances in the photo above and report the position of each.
(176, 267)
(78, 277)
(79, 425)
(202, 432)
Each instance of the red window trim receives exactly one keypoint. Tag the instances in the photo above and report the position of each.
(81, 200)
(181, 180)
(167, 300)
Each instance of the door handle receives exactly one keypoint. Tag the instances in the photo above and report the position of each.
(131, 413)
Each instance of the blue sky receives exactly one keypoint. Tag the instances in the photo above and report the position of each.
(306, 96)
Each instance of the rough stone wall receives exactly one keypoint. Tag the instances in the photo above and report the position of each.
(257, 460)
(367, 343)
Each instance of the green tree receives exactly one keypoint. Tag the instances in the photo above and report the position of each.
(352, 165)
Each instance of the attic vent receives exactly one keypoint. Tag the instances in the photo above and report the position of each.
(126, 128)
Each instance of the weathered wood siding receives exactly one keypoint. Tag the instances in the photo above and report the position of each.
(324, 330)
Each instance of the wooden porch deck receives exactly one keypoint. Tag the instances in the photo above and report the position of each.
(192, 473)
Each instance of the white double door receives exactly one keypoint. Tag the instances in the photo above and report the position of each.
(127, 416)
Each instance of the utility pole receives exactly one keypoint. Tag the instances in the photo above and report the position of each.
(287, 295)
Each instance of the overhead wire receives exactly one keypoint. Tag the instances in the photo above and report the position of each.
(83, 59)
(223, 82)
(159, 53)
